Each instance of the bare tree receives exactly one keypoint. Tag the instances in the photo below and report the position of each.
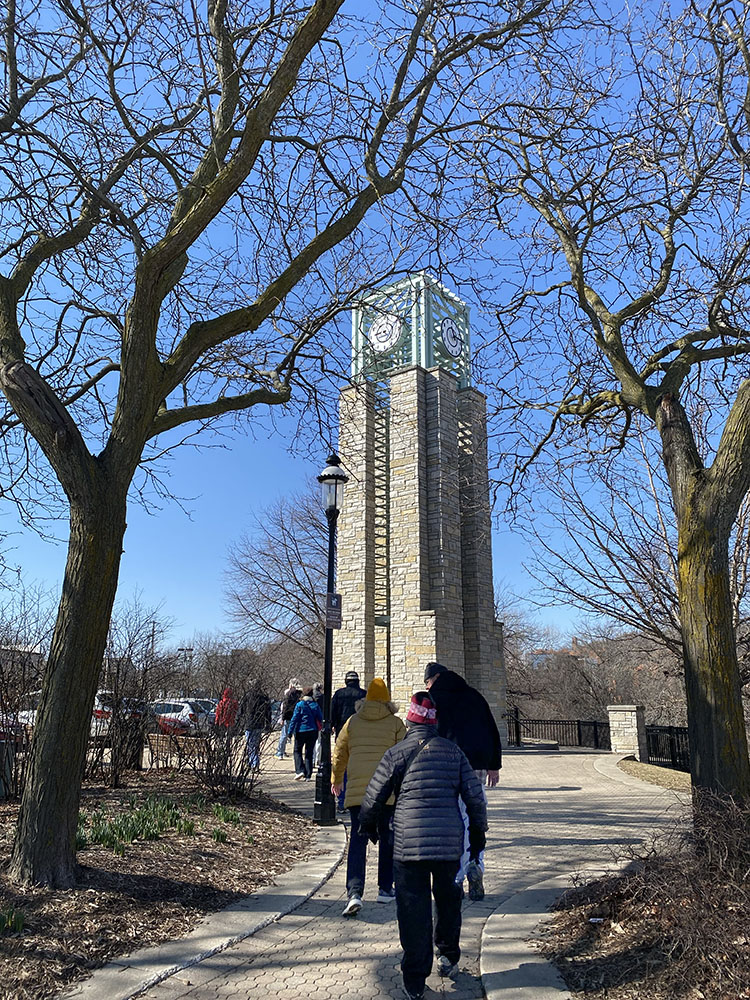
(629, 303)
(183, 213)
(276, 580)
(612, 552)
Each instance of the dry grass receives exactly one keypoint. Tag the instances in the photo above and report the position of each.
(675, 925)
(157, 891)
(665, 777)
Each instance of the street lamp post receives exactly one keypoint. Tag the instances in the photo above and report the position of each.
(332, 479)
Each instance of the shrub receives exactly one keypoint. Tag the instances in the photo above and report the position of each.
(678, 915)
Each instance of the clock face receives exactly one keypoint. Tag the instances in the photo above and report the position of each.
(451, 337)
(385, 332)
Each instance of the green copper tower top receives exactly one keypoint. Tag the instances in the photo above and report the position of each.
(414, 321)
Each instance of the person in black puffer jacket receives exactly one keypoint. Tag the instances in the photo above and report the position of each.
(465, 717)
(344, 701)
(427, 774)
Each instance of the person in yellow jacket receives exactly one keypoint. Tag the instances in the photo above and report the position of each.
(361, 743)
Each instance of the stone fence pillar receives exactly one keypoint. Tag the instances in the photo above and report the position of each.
(627, 730)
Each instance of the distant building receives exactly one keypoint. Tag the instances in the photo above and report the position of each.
(577, 651)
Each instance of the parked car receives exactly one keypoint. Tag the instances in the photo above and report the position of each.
(27, 713)
(208, 705)
(101, 713)
(135, 709)
(178, 716)
(11, 730)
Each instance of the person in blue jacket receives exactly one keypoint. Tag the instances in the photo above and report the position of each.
(304, 726)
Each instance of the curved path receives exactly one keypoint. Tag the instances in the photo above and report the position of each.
(551, 815)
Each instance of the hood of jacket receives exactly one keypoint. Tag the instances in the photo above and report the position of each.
(448, 683)
(372, 710)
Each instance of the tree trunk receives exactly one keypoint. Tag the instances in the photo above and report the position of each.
(716, 725)
(44, 847)
(706, 504)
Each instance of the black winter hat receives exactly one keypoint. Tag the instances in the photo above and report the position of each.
(432, 669)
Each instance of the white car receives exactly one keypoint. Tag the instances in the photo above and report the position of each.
(178, 716)
(101, 712)
(27, 713)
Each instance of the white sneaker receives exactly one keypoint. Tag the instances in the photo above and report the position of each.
(386, 896)
(299, 777)
(353, 907)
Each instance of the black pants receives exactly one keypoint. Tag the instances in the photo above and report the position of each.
(306, 741)
(356, 861)
(414, 911)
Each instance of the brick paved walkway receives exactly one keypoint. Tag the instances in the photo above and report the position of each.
(551, 814)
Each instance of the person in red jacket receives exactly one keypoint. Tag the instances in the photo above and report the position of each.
(226, 710)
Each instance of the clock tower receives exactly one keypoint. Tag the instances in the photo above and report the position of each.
(414, 540)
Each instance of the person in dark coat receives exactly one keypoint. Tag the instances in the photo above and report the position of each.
(291, 696)
(465, 718)
(343, 707)
(255, 719)
(428, 775)
(344, 701)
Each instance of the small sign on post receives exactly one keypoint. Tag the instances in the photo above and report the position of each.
(333, 610)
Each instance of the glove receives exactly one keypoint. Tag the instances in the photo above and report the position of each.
(370, 832)
(477, 841)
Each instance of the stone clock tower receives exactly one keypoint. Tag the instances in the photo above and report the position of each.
(414, 539)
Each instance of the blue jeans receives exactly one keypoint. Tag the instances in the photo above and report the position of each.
(282, 739)
(252, 737)
(357, 857)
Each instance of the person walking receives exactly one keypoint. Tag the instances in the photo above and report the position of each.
(304, 726)
(291, 697)
(318, 698)
(226, 710)
(255, 719)
(342, 708)
(363, 740)
(464, 717)
(427, 774)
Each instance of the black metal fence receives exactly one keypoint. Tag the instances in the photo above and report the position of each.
(565, 732)
(668, 747)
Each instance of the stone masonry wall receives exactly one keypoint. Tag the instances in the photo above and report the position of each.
(482, 636)
(627, 730)
(354, 642)
(441, 592)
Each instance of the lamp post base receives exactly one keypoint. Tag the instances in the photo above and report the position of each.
(324, 813)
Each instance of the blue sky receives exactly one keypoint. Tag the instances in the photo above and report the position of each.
(177, 561)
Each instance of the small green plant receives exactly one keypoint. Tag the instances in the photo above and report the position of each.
(186, 827)
(250, 838)
(220, 836)
(225, 814)
(146, 821)
(11, 921)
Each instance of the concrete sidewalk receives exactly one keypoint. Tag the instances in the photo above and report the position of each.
(551, 815)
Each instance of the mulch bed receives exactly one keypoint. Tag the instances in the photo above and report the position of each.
(674, 925)
(157, 891)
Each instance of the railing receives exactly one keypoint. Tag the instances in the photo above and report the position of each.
(667, 746)
(565, 732)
